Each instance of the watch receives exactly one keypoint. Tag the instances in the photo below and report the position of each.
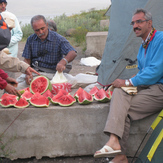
(127, 83)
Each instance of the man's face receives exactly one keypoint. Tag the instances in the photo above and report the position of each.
(3, 6)
(141, 26)
(41, 29)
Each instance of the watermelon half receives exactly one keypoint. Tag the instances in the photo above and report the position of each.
(39, 101)
(102, 96)
(22, 103)
(40, 84)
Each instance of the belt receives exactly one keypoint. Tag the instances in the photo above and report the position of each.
(43, 69)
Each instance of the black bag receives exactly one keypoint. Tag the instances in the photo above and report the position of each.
(5, 34)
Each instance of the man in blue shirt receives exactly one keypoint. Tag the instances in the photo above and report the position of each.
(125, 108)
(44, 49)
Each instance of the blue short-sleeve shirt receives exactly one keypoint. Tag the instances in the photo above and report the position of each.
(49, 52)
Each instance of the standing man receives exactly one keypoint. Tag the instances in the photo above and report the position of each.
(44, 50)
(16, 33)
(125, 108)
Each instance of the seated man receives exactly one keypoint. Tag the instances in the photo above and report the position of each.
(125, 108)
(44, 50)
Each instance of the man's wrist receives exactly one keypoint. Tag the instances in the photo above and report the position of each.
(65, 60)
(127, 82)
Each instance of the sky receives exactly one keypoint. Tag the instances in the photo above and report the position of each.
(54, 7)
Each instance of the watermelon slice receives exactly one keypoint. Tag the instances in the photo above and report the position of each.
(22, 103)
(66, 100)
(48, 94)
(83, 97)
(27, 95)
(78, 92)
(40, 84)
(8, 100)
(102, 96)
(8, 95)
(39, 101)
(93, 90)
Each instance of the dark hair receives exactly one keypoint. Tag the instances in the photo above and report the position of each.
(36, 18)
(148, 15)
(52, 25)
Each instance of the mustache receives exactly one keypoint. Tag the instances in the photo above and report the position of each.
(136, 29)
(41, 34)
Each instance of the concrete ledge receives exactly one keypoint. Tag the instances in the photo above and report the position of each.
(62, 131)
(55, 131)
(96, 43)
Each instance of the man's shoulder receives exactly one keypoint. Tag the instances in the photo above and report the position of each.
(159, 33)
(55, 35)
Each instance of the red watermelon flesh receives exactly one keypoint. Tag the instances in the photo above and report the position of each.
(66, 100)
(48, 94)
(93, 90)
(40, 84)
(84, 98)
(78, 92)
(102, 96)
(23, 90)
(61, 92)
(8, 101)
(8, 95)
(39, 101)
(27, 95)
(22, 103)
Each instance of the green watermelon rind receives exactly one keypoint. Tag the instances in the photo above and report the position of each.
(44, 105)
(59, 100)
(85, 101)
(6, 106)
(104, 99)
(38, 96)
(49, 86)
(61, 104)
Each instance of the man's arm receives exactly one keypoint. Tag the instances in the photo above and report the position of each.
(61, 66)
(15, 65)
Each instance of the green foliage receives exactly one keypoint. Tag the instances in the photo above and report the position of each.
(27, 31)
(82, 23)
(5, 148)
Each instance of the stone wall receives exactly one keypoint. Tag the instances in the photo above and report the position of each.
(62, 131)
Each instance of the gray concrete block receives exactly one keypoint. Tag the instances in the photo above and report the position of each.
(96, 43)
(62, 131)
(104, 24)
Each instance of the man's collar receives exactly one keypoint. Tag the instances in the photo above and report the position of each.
(143, 42)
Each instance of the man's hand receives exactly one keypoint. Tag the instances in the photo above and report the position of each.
(11, 90)
(61, 66)
(28, 79)
(119, 83)
(12, 81)
(29, 76)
